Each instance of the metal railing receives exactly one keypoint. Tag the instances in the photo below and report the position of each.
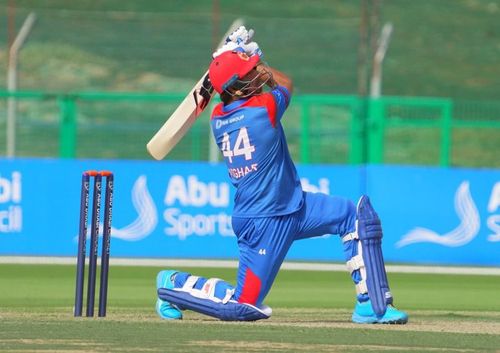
(320, 128)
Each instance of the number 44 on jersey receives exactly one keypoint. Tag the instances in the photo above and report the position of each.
(242, 146)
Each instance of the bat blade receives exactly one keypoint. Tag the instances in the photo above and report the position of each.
(181, 119)
(186, 113)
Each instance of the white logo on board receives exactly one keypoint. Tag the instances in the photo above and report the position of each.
(11, 212)
(469, 226)
(190, 192)
(147, 214)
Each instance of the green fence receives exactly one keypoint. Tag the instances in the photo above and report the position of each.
(320, 128)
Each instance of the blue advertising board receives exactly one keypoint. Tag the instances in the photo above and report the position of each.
(183, 210)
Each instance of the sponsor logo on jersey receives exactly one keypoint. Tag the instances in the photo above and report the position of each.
(223, 122)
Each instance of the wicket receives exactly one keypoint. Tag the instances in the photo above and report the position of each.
(94, 242)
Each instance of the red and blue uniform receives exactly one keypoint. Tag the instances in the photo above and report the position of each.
(270, 208)
(251, 138)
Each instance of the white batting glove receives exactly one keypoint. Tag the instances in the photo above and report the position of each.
(252, 48)
(229, 46)
(240, 35)
(240, 39)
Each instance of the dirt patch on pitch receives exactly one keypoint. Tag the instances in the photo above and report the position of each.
(422, 321)
(413, 325)
(25, 345)
(429, 321)
(267, 346)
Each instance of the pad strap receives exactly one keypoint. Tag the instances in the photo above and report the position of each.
(361, 287)
(351, 236)
(355, 263)
(190, 283)
(207, 291)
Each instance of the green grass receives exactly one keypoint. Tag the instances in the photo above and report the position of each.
(311, 312)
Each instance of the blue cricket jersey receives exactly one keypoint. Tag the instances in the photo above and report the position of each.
(251, 138)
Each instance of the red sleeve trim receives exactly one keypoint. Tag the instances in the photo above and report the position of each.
(218, 110)
(265, 100)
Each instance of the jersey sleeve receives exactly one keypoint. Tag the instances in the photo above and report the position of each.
(282, 99)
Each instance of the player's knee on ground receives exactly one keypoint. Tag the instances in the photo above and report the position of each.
(213, 297)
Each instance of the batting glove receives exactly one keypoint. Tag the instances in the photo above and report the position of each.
(229, 46)
(240, 35)
(252, 48)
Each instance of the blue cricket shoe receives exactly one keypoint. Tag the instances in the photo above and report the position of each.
(164, 309)
(363, 314)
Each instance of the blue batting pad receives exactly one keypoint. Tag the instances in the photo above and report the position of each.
(230, 311)
(370, 234)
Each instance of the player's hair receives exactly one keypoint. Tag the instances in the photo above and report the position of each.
(226, 98)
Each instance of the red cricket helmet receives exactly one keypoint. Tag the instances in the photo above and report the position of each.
(230, 66)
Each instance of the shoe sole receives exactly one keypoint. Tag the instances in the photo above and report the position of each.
(371, 320)
(401, 321)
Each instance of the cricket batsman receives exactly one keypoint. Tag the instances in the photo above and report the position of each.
(271, 210)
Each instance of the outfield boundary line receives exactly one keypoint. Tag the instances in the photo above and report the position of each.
(287, 265)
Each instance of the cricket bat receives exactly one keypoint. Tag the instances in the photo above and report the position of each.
(181, 120)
